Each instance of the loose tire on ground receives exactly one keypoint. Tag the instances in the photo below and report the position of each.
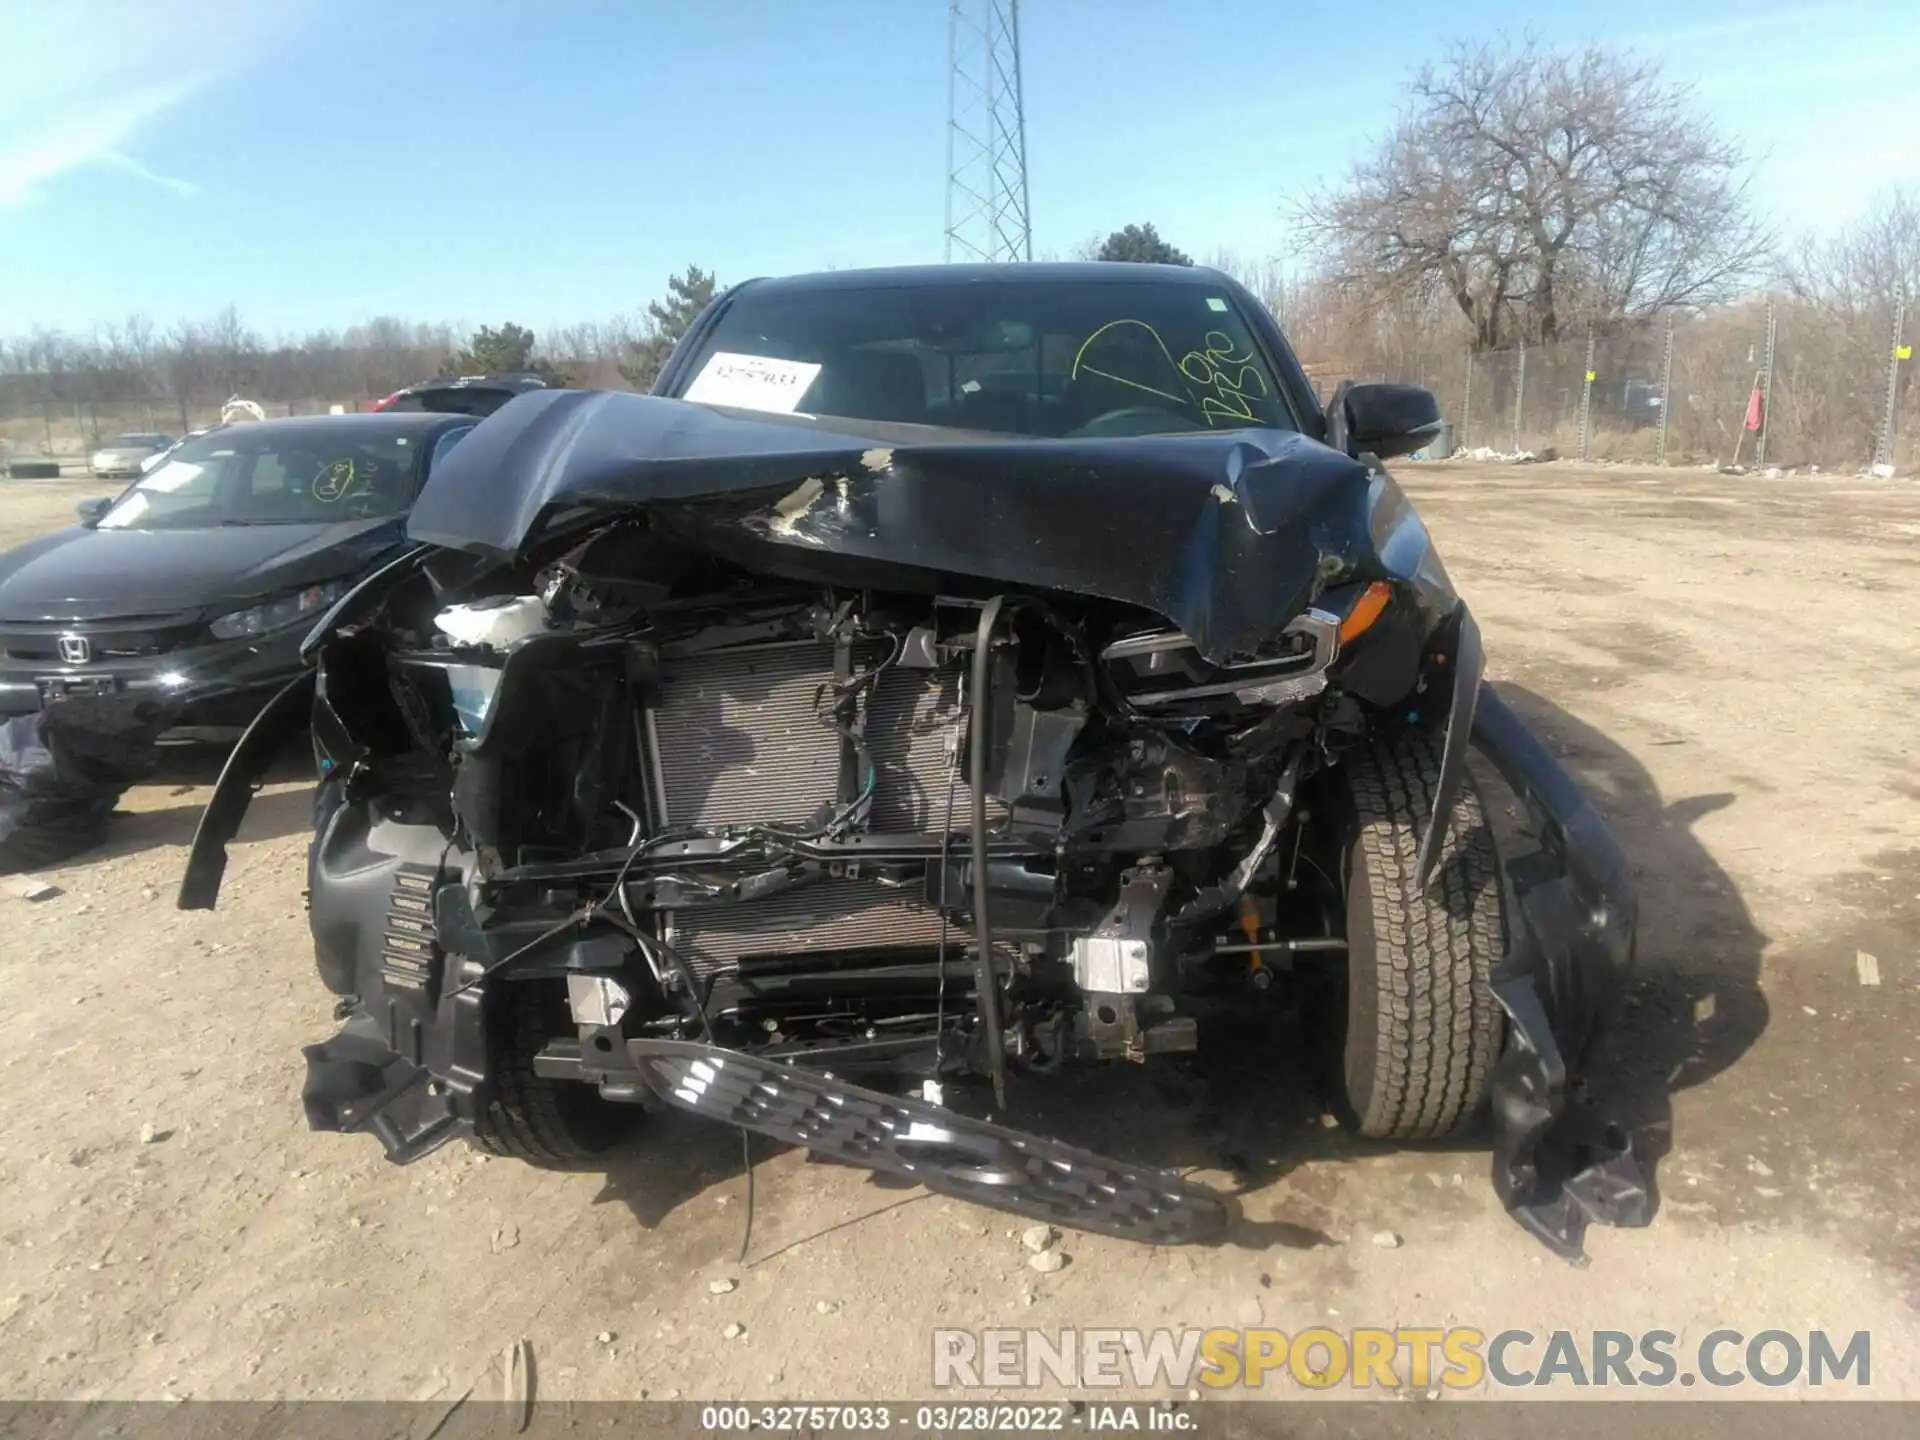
(1422, 1026)
(530, 1117)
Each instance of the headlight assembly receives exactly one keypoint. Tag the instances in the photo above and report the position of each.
(279, 613)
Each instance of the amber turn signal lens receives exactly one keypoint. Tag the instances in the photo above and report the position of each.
(1371, 605)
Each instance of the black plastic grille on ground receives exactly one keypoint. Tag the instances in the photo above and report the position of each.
(950, 1153)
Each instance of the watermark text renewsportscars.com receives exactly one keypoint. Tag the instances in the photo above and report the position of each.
(1403, 1357)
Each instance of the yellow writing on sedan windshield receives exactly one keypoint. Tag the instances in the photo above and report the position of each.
(336, 481)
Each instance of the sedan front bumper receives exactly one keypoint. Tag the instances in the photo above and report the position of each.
(220, 683)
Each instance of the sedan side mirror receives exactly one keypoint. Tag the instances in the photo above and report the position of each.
(92, 511)
(1385, 420)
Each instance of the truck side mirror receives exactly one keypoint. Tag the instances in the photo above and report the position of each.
(1385, 420)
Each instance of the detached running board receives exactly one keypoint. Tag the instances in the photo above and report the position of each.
(949, 1153)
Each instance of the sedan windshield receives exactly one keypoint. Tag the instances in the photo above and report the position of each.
(234, 477)
(1078, 358)
(135, 442)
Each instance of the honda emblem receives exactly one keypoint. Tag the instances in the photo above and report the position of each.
(75, 649)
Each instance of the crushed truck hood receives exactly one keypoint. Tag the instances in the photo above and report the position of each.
(1228, 535)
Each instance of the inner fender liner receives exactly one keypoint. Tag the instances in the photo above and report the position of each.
(279, 720)
(1469, 666)
(414, 1083)
(944, 1151)
(1558, 1166)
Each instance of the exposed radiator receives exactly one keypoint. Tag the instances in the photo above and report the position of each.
(829, 916)
(740, 741)
(910, 720)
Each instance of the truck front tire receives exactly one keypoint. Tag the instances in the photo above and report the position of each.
(1423, 1028)
(529, 1116)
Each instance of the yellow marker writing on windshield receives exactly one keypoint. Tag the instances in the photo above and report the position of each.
(335, 482)
(1229, 379)
(1079, 360)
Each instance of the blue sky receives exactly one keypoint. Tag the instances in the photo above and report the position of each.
(316, 162)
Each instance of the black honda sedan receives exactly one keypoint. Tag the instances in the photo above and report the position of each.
(196, 584)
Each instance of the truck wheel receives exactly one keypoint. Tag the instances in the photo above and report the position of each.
(530, 1117)
(1422, 1026)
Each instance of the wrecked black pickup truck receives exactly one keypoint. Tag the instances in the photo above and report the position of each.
(945, 675)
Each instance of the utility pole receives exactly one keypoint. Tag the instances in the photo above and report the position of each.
(988, 215)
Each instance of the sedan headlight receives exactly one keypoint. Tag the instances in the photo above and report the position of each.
(278, 614)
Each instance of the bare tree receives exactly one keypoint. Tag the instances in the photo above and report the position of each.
(141, 349)
(231, 349)
(1531, 188)
(1862, 269)
(1846, 293)
(387, 347)
(1264, 276)
(183, 368)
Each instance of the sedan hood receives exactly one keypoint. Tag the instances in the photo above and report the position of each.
(1228, 535)
(82, 574)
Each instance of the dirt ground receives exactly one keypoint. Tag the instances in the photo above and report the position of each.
(1731, 665)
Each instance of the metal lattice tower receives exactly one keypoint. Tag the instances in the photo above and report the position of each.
(987, 214)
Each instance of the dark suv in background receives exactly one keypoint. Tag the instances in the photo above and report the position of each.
(476, 395)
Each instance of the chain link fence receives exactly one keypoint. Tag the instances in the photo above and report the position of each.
(1834, 392)
(69, 432)
(1761, 384)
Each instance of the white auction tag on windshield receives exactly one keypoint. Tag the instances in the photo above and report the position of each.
(752, 382)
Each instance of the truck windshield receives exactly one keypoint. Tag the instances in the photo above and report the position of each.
(1074, 359)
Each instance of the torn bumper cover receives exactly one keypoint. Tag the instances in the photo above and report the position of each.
(1557, 1166)
(418, 1082)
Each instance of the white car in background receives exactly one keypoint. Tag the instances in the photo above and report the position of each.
(126, 455)
(159, 455)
